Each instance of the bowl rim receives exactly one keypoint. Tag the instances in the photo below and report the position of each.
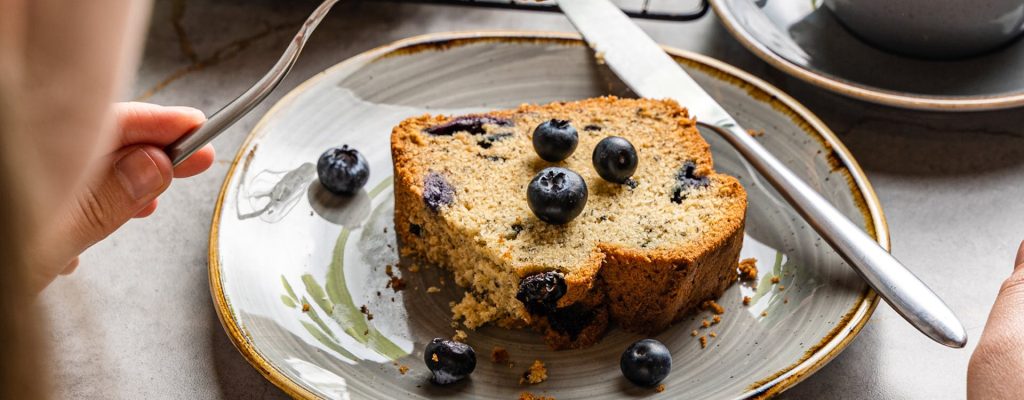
(813, 359)
(866, 93)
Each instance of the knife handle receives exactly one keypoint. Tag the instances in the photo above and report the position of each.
(907, 294)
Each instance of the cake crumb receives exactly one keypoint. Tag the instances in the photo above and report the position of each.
(746, 300)
(599, 57)
(748, 269)
(305, 307)
(366, 311)
(536, 374)
(775, 279)
(755, 132)
(388, 270)
(713, 334)
(716, 319)
(713, 306)
(531, 396)
(433, 357)
(433, 289)
(402, 369)
(499, 355)
(703, 341)
(460, 336)
(764, 313)
(785, 300)
(660, 388)
(694, 333)
(705, 323)
(396, 284)
(782, 287)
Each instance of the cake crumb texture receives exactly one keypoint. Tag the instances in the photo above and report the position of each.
(531, 396)
(536, 374)
(748, 269)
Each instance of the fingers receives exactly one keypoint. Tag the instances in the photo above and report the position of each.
(148, 210)
(144, 123)
(198, 162)
(70, 267)
(993, 372)
(1019, 261)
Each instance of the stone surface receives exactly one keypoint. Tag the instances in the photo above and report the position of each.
(136, 319)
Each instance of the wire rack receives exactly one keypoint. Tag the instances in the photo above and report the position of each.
(668, 10)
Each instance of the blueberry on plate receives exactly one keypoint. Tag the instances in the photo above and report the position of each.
(343, 170)
(646, 362)
(449, 361)
(615, 159)
(555, 140)
(557, 195)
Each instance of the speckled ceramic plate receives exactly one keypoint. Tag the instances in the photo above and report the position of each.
(291, 266)
(804, 39)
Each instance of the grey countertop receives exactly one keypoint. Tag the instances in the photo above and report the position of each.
(136, 319)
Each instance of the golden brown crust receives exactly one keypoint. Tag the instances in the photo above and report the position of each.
(641, 289)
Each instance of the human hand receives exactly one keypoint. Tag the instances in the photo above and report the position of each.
(996, 370)
(125, 185)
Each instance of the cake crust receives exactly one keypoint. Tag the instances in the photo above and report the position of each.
(442, 164)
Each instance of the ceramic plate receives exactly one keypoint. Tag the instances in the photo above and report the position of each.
(804, 39)
(291, 267)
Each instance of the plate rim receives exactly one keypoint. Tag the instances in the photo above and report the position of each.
(866, 93)
(814, 358)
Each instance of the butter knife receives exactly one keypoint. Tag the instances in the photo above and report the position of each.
(640, 63)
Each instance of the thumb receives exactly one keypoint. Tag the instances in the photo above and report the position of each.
(1008, 311)
(994, 369)
(135, 176)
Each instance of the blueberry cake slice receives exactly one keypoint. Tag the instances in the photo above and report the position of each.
(641, 254)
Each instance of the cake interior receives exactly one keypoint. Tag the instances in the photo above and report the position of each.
(477, 177)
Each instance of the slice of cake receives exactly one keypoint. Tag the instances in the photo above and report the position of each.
(642, 254)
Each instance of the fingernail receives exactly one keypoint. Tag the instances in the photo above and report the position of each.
(139, 174)
(1020, 256)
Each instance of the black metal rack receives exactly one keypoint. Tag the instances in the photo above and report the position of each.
(667, 10)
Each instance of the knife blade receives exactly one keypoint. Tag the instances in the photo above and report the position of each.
(643, 66)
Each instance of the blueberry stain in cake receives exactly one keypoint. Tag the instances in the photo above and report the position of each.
(555, 140)
(615, 159)
(557, 195)
(646, 362)
(415, 229)
(489, 140)
(437, 192)
(449, 361)
(592, 128)
(540, 292)
(342, 170)
(571, 320)
(474, 124)
(687, 179)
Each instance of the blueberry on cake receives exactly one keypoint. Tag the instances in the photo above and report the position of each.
(657, 232)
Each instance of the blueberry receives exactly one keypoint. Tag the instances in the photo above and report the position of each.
(540, 292)
(557, 195)
(555, 140)
(646, 362)
(687, 179)
(343, 170)
(437, 192)
(474, 124)
(615, 159)
(449, 361)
